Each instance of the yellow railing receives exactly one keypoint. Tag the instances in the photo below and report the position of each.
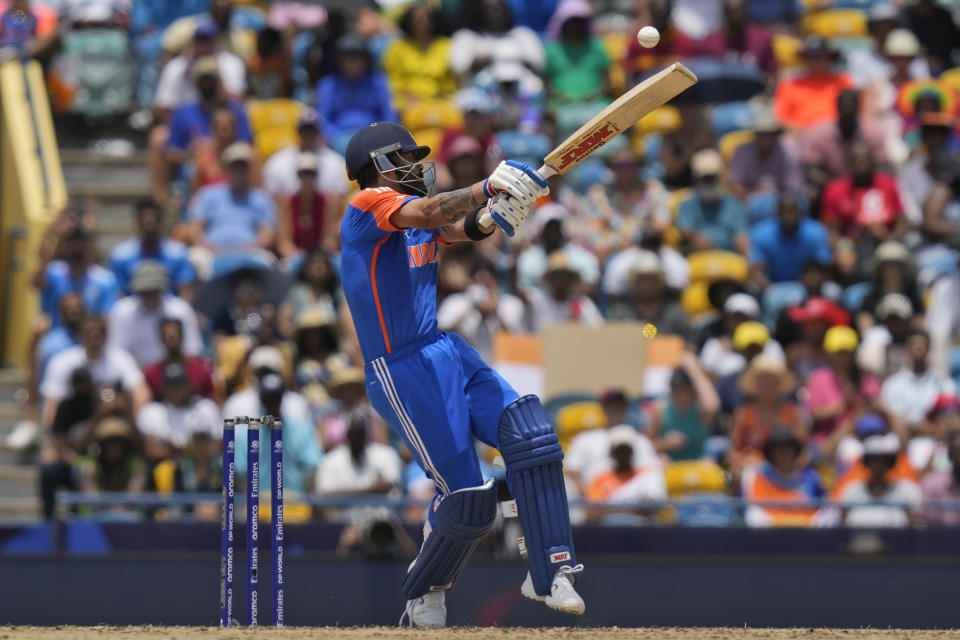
(32, 190)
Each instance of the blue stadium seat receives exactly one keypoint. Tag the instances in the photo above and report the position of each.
(778, 297)
(854, 295)
(526, 147)
(732, 116)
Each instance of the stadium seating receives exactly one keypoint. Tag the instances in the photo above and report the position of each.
(274, 124)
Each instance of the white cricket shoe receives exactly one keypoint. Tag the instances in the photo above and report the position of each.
(562, 596)
(429, 610)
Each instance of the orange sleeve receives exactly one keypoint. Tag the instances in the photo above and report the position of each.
(381, 203)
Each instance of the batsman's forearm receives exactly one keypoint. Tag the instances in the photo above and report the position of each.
(447, 208)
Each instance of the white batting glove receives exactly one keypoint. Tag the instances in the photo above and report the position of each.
(508, 212)
(519, 180)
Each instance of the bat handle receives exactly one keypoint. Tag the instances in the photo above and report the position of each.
(486, 219)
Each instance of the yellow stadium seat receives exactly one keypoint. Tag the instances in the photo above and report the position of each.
(836, 23)
(274, 124)
(430, 138)
(694, 476)
(666, 119)
(432, 114)
(729, 143)
(577, 417)
(164, 475)
(952, 78)
(786, 49)
(616, 47)
(694, 299)
(710, 266)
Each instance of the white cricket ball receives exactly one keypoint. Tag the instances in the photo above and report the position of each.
(648, 36)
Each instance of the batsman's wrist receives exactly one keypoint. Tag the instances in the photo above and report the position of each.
(473, 228)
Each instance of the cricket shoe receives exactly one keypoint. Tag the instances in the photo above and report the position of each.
(429, 610)
(562, 596)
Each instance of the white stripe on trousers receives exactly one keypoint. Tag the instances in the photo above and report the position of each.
(386, 380)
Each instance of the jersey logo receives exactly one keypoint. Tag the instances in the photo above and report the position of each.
(423, 254)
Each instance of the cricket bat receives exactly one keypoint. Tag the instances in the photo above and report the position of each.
(617, 117)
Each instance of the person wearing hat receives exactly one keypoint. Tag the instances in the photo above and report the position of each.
(712, 218)
(647, 301)
(934, 26)
(216, 21)
(928, 448)
(718, 355)
(809, 98)
(417, 64)
(878, 500)
(135, 320)
(576, 62)
(767, 384)
(680, 423)
(768, 162)
(262, 361)
(625, 482)
(169, 423)
(280, 176)
(464, 163)
(116, 463)
(871, 65)
(884, 347)
(809, 323)
(780, 247)
(749, 340)
(891, 270)
(911, 392)
(836, 392)
(302, 218)
(560, 300)
(316, 285)
(479, 108)
(943, 485)
(316, 335)
(354, 96)
(348, 389)
(532, 261)
(235, 216)
(781, 475)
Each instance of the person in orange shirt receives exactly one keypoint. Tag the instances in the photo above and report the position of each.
(782, 477)
(810, 97)
(625, 483)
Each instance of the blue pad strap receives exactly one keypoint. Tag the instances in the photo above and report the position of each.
(460, 521)
(534, 463)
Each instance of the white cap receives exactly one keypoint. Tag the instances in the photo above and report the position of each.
(646, 262)
(742, 303)
(621, 434)
(266, 357)
(901, 43)
(887, 444)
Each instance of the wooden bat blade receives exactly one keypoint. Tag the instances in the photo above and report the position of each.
(620, 115)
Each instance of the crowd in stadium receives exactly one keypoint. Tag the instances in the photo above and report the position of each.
(795, 217)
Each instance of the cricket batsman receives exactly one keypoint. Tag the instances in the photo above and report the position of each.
(432, 386)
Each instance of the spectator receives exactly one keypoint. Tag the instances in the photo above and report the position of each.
(767, 384)
(262, 361)
(532, 262)
(177, 85)
(781, 247)
(354, 96)
(625, 482)
(219, 16)
(869, 65)
(490, 37)
(358, 466)
(135, 320)
(640, 60)
(711, 218)
(884, 348)
(635, 203)
(878, 501)
(825, 146)
(303, 217)
(924, 171)
(749, 340)
(270, 67)
(27, 30)
(464, 163)
(73, 272)
(63, 336)
(280, 176)
(108, 365)
(910, 393)
(560, 300)
(810, 97)
(417, 63)
(617, 410)
(928, 450)
(814, 317)
(681, 422)
(317, 286)
(199, 371)
(482, 310)
(943, 486)
(718, 357)
(891, 270)
(742, 40)
(936, 29)
(169, 423)
(840, 390)
(206, 153)
(863, 205)
(235, 216)
(348, 387)
(479, 111)
(126, 256)
(117, 464)
(588, 454)
(67, 433)
(781, 476)
(677, 148)
(315, 337)
(577, 63)
(646, 299)
(769, 162)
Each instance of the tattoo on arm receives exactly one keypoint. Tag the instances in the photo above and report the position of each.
(450, 207)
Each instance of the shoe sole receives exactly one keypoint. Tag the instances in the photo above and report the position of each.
(576, 609)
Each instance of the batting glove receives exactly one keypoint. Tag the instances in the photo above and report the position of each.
(519, 180)
(508, 212)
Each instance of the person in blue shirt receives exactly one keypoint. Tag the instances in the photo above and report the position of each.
(194, 120)
(74, 272)
(151, 245)
(235, 216)
(64, 336)
(354, 96)
(712, 218)
(781, 246)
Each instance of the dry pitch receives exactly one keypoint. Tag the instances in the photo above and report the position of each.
(463, 633)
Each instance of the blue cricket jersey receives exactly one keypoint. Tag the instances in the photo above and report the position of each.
(389, 275)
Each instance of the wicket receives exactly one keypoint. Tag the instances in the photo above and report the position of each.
(227, 516)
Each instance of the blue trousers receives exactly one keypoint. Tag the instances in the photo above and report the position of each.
(439, 395)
